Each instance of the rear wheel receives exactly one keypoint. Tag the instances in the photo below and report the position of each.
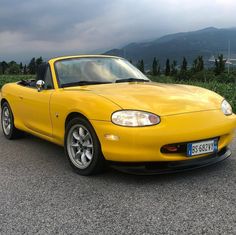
(83, 148)
(7, 121)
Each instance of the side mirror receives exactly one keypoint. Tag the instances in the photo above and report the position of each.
(40, 85)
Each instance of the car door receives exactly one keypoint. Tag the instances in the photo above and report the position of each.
(36, 106)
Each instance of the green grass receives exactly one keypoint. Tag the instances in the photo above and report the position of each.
(227, 90)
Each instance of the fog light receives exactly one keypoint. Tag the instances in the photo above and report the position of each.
(112, 137)
(170, 148)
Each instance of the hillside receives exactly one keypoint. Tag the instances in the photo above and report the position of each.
(206, 42)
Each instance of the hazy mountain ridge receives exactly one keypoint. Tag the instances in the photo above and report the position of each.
(206, 42)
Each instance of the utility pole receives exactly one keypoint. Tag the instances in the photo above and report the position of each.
(228, 56)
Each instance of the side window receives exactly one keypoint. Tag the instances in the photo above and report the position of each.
(48, 79)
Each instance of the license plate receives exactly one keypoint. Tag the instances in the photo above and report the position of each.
(197, 148)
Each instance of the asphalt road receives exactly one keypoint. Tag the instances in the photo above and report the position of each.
(40, 194)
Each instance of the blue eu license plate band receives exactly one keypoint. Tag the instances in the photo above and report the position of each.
(213, 148)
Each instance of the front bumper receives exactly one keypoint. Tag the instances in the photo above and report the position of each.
(144, 144)
(152, 168)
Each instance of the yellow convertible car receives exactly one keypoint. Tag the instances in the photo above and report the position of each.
(104, 110)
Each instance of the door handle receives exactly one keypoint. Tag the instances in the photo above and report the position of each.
(21, 97)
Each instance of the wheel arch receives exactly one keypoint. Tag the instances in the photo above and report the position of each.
(3, 100)
(72, 115)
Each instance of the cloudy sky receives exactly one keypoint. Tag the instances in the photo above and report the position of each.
(56, 27)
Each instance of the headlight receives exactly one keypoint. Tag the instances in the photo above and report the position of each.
(134, 118)
(226, 108)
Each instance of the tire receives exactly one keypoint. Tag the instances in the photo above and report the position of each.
(83, 148)
(7, 122)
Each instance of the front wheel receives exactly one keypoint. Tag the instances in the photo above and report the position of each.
(83, 148)
(7, 121)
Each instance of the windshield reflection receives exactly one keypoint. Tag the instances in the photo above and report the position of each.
(96, 69)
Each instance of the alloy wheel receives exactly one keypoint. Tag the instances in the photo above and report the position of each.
(6, 120)
(80, 146)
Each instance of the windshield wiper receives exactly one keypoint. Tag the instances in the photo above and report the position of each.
(132, 80)
(83, 83)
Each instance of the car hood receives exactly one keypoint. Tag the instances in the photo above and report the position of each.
(162, 99)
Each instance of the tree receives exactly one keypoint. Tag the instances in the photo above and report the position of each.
(140, 65)
(195, 65)
(4, 66)
(184, 73)
(222, 63)
(39, 61)
(158, 69)
(219, 65)
(184, 65)
(201, 63)
(173, 68)
(154, 67)
(167, 70)
(21, 67)
(198, 64)
(25, 69)
(13, 68)
(32, 66)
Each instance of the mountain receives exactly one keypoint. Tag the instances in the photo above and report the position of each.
(207, 42)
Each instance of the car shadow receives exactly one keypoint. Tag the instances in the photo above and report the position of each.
(209, 171)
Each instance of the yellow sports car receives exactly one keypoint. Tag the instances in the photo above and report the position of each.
(104, 110)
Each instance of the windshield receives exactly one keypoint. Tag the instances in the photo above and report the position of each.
(96, 70)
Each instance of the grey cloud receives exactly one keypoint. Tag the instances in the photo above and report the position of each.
(45, 20)
(54, 27)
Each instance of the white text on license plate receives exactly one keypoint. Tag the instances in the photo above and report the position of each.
(197, 148)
